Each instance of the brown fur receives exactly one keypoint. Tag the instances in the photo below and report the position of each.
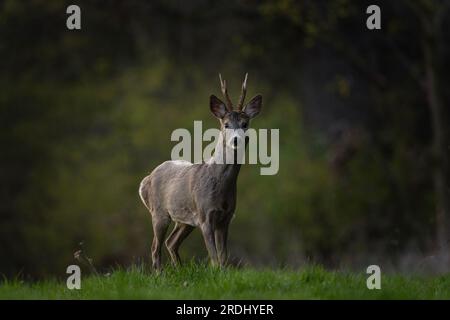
(197, 195)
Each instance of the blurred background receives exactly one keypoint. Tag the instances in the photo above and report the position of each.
(363, 118)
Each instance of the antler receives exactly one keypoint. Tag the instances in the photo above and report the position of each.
(223, 85)
(243, 92)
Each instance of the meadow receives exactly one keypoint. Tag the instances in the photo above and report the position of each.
(198, 281)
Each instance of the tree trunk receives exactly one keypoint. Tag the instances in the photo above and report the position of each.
(440, 143)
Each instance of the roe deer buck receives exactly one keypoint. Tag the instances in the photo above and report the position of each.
(200, 195)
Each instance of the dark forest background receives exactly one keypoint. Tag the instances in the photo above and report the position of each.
(363, 118)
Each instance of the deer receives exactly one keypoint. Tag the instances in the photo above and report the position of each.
(200, 195)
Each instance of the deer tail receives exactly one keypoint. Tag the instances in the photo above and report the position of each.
(143, 193)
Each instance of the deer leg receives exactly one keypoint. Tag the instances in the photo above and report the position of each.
(169, 239)
(173, 242)
(210, 242)
(160, 225)
(221, 235)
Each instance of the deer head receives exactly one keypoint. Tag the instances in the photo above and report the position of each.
(234, 122)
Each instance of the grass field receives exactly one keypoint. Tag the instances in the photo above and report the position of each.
(200, 282)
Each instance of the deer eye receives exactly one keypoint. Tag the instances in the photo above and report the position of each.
(245, 125)
(227, 125)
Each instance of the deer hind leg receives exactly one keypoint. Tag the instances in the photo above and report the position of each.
(176, 237)
(160, 225)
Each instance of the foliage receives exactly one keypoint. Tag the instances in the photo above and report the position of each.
(84, 116)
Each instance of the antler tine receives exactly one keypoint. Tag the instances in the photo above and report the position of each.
(223, 85)
(243, 93)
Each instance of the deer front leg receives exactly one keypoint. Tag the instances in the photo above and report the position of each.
(208, 235)
(221, 235)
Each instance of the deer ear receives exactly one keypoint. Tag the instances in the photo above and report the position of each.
(217, 107)
(254, 106)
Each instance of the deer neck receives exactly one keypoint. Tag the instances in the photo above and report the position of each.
(228, 171)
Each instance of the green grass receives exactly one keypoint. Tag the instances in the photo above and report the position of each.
(196, 281)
